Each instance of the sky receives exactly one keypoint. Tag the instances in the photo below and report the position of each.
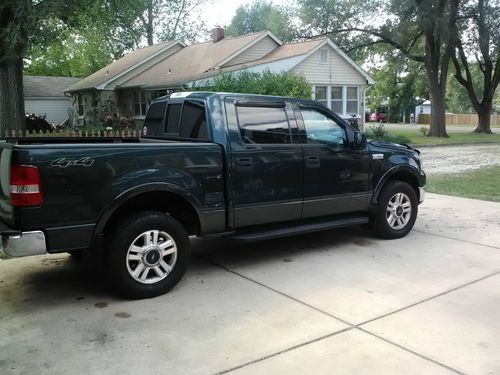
(220, 12)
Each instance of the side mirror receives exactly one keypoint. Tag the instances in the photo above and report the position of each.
(359, 140)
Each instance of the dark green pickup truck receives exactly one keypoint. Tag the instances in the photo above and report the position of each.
(246, 166)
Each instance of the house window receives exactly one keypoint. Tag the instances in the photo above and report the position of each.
(323, 56)
(80, 104)
(352, 101)
(139, 103)
(320, 94)
(337, 102)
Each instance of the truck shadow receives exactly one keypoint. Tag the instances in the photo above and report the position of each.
(37, 283)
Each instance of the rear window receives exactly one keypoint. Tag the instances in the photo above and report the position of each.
(154, 119)
(173, 118)
(193, 122)
(263, 125)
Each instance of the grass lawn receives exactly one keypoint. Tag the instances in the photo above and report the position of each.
(478, 184)
(414, 137)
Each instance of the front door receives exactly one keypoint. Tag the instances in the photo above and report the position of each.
(336, 177)
(266, 166)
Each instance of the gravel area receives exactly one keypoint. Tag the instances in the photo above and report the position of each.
(457, 159)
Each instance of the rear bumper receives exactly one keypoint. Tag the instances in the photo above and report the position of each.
(21, 244)
(421, 194)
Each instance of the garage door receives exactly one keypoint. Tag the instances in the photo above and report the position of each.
(55, 109)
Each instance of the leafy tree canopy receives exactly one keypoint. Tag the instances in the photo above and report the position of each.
(263, 15)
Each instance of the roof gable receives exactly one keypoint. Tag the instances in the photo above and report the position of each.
(124, 65)
(193, 61)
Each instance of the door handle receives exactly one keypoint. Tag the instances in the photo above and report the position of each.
(244, 162)
(312, 161)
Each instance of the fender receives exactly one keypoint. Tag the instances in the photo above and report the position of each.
(388, 174)
(140, 189)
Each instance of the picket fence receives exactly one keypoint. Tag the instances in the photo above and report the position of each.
(9, 134)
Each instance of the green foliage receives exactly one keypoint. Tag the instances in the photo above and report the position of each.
(380, 133)
(266, 83)
(263, 15)
(477, 184)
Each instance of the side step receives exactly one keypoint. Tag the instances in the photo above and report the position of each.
(273, 231)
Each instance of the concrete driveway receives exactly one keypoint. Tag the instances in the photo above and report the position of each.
(332, 302)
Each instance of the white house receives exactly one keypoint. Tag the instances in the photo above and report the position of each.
(44, 96)
(422, 109)
(125, 87)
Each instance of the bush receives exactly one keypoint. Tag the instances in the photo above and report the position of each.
(265, 83)
(423, 131)
(380, 133)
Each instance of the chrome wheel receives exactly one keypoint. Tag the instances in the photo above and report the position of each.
(151, 256)
(398, 212)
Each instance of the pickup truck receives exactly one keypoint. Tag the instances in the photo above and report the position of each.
(248, 167)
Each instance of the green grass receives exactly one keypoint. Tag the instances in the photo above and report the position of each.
(2, 255)
(414, 137)
(478, 184)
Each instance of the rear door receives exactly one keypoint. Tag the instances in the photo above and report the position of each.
(266, 166)
(336, 177)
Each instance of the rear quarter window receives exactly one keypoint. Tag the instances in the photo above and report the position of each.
(154, 119)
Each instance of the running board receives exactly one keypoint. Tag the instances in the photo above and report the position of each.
(266, 233)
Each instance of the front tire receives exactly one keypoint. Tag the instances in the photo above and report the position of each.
(396, 211)
(148, 254)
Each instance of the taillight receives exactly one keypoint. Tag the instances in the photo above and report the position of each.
(25, 186)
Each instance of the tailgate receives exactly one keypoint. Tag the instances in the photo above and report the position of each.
(6, 211)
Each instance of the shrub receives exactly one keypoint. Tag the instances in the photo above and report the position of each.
(265, 83)
(380, 133)
(423, 131)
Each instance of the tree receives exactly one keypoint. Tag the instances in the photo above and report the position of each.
(21, 24)
(265, 83)
(399, 82)
(483, 31)
(411, 26)
(263, 15)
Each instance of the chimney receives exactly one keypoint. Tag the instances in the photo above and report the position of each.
(217, 34)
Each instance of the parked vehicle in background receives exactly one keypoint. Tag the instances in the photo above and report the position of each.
(380, 114)
(248, 166)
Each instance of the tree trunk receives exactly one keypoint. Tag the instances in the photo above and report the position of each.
(149, 26)
(12, 116)
(484, 123)
(438, 112)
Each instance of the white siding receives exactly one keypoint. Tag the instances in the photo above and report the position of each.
(56, 109)
(257, 51)
(336, 71)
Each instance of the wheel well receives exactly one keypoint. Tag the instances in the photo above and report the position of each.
(173, 204)
(408, 178)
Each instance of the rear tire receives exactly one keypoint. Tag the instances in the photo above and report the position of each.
(147, 254)
(396, 210)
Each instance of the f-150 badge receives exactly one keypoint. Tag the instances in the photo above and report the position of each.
(65, 163)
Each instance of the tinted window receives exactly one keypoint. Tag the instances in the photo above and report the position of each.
(173, 119)
(322, 129)
(263, 125)
(154, 119)
(193, 123)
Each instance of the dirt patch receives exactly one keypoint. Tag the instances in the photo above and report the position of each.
(124, 315)
(101, 305)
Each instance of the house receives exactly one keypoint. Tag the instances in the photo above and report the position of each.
(44, 96)
(125, 87)
(422, 109)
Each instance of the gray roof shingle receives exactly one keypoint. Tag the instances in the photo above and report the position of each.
(44, 86)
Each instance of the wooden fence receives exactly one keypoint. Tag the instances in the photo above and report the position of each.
(459, 119)
(6, 134)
